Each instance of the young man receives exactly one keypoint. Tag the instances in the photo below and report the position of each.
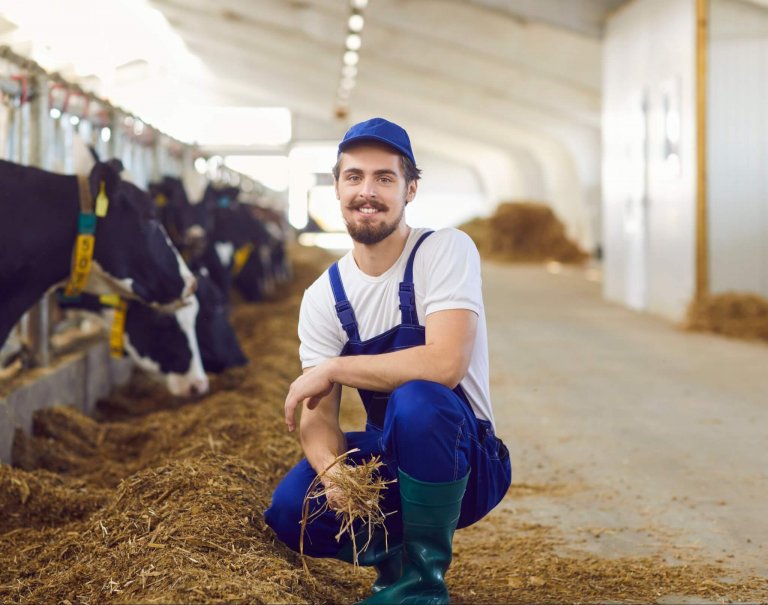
(401, 319)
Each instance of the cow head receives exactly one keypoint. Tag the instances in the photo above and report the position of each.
(133, 253)
(165, 344)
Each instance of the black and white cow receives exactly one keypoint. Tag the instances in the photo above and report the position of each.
(133, 255)
(240, 244)
(219, 348)
(232, 226)
(177, 345)
(165, 344)
(180, 347)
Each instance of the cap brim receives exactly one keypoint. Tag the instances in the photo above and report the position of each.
(344, 145)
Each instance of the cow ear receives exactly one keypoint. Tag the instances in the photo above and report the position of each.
(107, 173)
(116, 165)
(94, 153)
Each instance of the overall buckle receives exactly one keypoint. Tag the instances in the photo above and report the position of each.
(407, 302)
(346, 315)
(407, 296)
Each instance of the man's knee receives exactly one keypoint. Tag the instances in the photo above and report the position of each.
(425, 431)
(418, 404)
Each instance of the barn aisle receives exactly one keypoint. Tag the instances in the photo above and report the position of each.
(628, 435)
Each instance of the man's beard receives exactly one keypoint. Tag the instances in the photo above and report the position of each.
(369, 233)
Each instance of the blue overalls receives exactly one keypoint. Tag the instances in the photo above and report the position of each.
(424, 428)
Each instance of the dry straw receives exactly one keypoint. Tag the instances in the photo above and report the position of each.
(181, 491)
(735, 314)
(362, 486)
(523, 232)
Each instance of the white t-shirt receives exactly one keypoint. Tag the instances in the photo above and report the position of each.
(446, 275)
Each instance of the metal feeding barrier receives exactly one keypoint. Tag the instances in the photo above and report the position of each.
(41, 114)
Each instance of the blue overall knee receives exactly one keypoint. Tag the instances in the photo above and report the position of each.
(427, 430)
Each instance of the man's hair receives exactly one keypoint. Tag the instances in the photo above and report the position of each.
(409, 169)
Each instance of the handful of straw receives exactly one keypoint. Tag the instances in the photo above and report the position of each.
(362, 487)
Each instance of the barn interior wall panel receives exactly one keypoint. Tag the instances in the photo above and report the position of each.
(649, 156)
(738, 148)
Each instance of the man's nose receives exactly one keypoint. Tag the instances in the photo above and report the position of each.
(368, 188)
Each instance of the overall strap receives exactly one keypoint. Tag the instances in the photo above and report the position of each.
(407, 294)
(343, 309)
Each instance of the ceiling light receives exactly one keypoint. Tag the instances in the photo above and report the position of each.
(349, 70)
(355, 23)
(354, 42)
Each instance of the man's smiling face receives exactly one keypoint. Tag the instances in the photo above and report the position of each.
(373, 192)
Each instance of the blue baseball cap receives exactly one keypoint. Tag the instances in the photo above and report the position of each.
(382, 131)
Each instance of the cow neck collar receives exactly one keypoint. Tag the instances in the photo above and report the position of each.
(82, 263)
(84, 193)
(85, 242)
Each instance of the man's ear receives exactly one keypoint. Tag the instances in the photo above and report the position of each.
(412, 188)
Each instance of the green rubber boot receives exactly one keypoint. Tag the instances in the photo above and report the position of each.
(430, 515)
(387, 561)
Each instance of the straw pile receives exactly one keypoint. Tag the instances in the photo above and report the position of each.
(158, 500)
(523, 232)
(166, 505)
(735, 314)
(43, 499)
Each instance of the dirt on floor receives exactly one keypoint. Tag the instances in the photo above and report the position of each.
(157, 499)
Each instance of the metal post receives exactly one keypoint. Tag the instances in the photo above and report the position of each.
(39, 325)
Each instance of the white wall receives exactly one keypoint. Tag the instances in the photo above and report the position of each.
(648, 200)
(449, 194)
(738, 147)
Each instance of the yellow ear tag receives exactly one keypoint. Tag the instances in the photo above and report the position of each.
(111, 300)
(102, 201)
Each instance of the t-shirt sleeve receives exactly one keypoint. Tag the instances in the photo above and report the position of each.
(318, 332)
(452, 272)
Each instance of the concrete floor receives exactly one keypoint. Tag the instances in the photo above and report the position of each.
(634, 436)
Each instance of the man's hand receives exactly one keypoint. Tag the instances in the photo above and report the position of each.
(311, 387)
(336, 497)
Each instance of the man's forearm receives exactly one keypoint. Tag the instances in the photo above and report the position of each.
(387, 371)
(321, 440)
(449, 335)
(444, 358)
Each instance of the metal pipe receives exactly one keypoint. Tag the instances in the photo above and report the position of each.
(33, 67)
(38, 117)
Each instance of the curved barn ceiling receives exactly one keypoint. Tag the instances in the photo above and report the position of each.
(509, 89)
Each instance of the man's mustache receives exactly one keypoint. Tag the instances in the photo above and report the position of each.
(370, 203)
